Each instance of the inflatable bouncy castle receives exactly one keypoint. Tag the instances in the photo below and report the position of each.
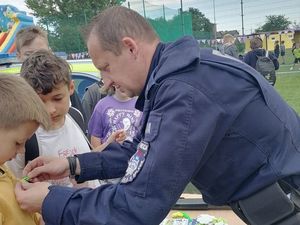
(11, 21)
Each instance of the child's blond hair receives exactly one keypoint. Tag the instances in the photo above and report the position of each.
(19, 103)
(228, 38)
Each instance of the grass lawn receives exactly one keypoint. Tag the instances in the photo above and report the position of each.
(288, 86)
(288, 82)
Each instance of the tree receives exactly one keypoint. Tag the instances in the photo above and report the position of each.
(64, 19)
(202, 27)
(274, 23)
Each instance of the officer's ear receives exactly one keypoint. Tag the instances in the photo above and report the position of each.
(130, 46)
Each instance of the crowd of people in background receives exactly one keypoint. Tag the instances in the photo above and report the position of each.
(253, 57)
(227, 46)
(78, 55)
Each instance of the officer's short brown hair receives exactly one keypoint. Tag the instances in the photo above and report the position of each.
(114, 23)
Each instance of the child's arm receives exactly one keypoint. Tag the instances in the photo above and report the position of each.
(95, 141)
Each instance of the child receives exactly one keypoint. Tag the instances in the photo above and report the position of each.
(282, 51)
(228, 46)
(296, 53)
(49, 75)
(112, 115)
(32, 38)
(21, 112)
(114, 118)
(276, 49)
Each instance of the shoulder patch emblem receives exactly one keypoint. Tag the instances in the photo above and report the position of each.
(136, 162)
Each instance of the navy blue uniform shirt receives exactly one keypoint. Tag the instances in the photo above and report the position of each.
(208, 119)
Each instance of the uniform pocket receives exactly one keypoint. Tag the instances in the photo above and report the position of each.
(152, 127)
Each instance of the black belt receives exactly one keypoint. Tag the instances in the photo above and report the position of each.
(270, 206)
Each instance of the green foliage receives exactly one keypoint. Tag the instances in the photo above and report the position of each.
(274, 23)
(64, 19)
(202, 27)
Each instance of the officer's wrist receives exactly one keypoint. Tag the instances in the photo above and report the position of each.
(78, 170)
(74, 166)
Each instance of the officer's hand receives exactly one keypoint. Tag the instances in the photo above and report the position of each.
(31, 196)
(47, 168)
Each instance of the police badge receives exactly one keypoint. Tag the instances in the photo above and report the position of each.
(136, 162)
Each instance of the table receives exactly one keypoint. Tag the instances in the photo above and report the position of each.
(193, 205)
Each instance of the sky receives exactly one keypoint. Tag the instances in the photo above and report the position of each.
(17, 3)
(225, 13)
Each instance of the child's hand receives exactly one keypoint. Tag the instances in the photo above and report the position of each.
(118, 136)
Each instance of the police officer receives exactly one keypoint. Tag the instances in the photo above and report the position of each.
(207, 118)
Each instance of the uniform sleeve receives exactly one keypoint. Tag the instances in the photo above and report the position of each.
(111, 163)
(178, 130)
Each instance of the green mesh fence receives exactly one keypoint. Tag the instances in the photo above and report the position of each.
(170, 24)
(64, 34)
(170, 30)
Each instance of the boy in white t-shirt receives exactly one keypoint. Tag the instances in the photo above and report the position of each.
(49, 75)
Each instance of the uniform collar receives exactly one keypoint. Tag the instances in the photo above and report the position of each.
(155, 59)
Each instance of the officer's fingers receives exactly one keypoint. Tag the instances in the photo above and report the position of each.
(32, 164)
(18, 187)
(19, 192)
(38, 173)
(26, 185)
(41, 177)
